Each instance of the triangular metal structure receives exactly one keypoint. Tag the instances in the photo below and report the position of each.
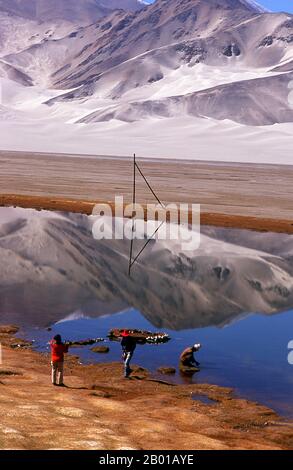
(132, 259)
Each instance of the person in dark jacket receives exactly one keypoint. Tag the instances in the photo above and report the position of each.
(128, 345)
(187, 358)
(58, 349)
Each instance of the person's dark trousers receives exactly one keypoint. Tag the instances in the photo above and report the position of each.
(127, 358)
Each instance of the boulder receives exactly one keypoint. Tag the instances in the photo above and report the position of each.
(100, 349)
(8, 329)
(167, 370)
(188, 370)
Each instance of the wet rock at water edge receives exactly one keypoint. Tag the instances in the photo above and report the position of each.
(8, 329)
(167, 370)
(188, 370)
(100, 349)
(21, 344)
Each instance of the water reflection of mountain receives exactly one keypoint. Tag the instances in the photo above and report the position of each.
(51, 266)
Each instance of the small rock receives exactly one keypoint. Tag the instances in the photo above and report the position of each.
(8, 329)
(100, 349)
(188, 370)
(139, 370)
(9, 372)
(101, 394)
(167, 370)
(21, 345)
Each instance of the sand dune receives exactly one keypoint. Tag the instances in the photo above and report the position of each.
(177, 79)
(235, 101)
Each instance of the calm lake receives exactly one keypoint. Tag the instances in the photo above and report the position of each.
(234, 294)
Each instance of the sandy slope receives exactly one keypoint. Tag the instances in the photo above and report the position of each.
(176, 138)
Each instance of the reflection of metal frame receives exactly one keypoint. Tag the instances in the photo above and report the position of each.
(131, 259)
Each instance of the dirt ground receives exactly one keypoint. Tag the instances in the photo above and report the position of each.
(249, 196)
(99, 409)
(86, 207)
(250, 190)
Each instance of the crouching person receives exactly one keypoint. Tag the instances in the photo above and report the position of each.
(188, 364)
(58, 349)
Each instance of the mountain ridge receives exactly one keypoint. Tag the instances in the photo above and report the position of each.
(80, 11)
(222, 60)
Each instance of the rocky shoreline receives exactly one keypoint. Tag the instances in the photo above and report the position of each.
(100, 410)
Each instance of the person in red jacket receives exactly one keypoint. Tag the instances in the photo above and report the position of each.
(57, 355)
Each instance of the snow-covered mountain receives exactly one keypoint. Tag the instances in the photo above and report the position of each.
(79, 11)
(52, 266)
(24, 23)
(175, 61)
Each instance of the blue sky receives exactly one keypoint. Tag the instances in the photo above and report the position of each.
(274, 5)
(277, 5)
